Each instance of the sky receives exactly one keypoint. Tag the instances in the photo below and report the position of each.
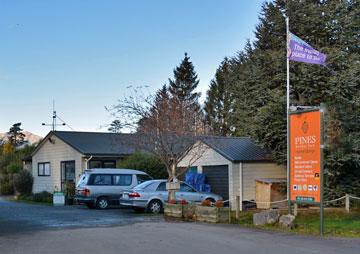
(85, 55)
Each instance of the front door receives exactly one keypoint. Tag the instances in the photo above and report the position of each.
(67, 173)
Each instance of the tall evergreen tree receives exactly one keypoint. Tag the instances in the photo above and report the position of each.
(259, 82)
(15, 135)
(218, 104)
(182, 88)
(185, 81)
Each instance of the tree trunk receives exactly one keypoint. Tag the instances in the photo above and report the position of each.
(172, 179)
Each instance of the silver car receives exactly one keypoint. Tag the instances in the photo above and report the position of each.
(151, 195)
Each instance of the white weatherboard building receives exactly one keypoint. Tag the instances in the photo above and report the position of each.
(232, 165)
(63, 155)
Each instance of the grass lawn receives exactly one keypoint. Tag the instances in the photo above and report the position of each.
(337, 222)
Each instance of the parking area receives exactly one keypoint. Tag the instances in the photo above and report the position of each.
(18, 217)
(32, 228)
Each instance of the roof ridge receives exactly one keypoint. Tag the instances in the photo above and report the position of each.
(93, 132)
(228, 137)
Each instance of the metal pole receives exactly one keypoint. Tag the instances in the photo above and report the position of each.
(322, 110)
(287, 113)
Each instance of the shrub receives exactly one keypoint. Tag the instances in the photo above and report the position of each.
(6, 185)
(147, 163)
(13, 168)
(206, 202)
(43, 196)
(23, 182)
(183, 202)
(219, 203)
(69, 189)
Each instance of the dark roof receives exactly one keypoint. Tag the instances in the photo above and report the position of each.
(99, 143)
(237, 149)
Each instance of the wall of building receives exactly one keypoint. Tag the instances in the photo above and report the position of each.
(54, 153)
(253, 171)
(205, 156)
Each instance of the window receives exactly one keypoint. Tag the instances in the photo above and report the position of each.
(95, 164)
(109, 164)
(100, 179)
(44, 169)
(186, 188)
(142, 178)
(122, 180)
(161, 187)
(102, 164)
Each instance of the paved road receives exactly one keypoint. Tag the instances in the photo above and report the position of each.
(44, 229)
(18, 217)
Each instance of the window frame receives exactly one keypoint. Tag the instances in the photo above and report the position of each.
(114, 175)
(162, 183)
(43, 174)
(93, 176)
(102, 163)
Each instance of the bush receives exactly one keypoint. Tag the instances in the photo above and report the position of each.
(69, 189)
(183, 202)
(219, 203)
(147, 163)
(43, 196)
(23, 182)
(13, 168)
(6, 185)
(206, 202)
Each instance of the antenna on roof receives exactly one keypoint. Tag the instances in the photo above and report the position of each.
(54, 117)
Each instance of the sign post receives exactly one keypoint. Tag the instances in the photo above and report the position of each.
(306, 158)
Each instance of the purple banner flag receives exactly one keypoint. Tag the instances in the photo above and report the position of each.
(300, 51)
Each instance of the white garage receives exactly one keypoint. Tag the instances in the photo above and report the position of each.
(231, 166)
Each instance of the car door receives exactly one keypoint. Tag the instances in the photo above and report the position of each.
(161, 191)
(188, 193)
(121, 182)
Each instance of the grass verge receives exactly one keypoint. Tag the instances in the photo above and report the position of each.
(337, 222)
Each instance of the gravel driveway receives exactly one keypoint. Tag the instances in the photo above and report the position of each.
(17, 217)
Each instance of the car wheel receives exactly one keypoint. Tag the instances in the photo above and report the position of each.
(102, 203)
(155, 206)
(90, 206)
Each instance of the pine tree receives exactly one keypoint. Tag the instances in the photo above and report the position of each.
(185, 81)
(259, 82)
(115, 126)
(182, 88)
(219, 101)
(15, 135)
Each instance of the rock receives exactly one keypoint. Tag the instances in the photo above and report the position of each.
(266, 217)
(287, 221)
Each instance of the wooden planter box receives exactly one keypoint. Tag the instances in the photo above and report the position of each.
(212, 214)
(180, 211)
(173, 210)
(189, 211)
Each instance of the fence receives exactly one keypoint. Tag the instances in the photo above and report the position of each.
(347, 201)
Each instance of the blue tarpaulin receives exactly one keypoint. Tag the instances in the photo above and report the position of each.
(197, 181)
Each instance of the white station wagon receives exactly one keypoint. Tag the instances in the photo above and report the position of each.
(102, 187)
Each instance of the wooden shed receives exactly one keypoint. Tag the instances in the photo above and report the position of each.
(270, 190)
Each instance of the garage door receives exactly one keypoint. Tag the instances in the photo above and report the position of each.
(218, 178)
